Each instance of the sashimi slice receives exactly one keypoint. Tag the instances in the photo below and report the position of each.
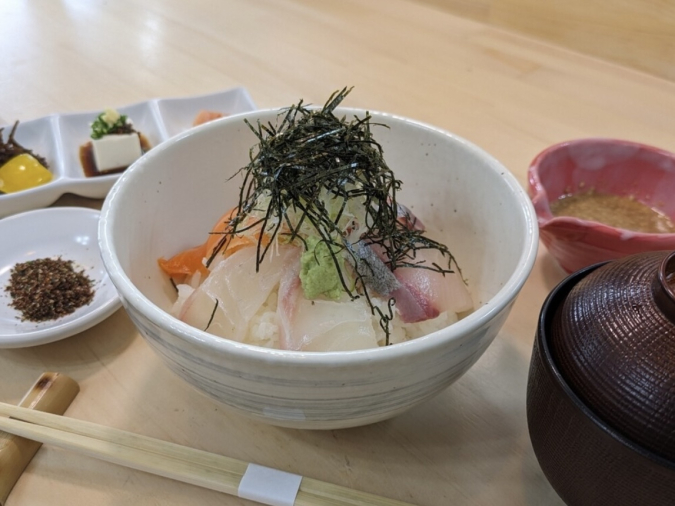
(186, 262)
(411, 305)
(220, 237)
(321, 325)
(192, 260)
(407, 218)
(373, 271)
(434, 292)
(238, 290)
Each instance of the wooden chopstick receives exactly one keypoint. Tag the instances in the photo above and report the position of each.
(181, 463)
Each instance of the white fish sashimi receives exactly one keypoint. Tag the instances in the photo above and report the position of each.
(184, 293)
(330, 326)
(238, 290)
(228, 300)
(321, 325)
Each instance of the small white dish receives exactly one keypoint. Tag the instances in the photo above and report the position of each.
(178, 114)
(67, 232)
(58, 138)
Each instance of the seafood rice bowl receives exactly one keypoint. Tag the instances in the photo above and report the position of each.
(318, 254)
(318, 288)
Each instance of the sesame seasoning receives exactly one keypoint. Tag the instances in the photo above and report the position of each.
(47, 289)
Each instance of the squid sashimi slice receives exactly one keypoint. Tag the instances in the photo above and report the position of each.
(433, 291)
(321, 325)
(238, 289)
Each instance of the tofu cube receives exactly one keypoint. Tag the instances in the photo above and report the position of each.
(116, 150)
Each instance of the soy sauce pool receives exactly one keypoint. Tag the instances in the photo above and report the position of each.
(89, 163)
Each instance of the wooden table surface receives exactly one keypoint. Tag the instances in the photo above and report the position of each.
(511, 95)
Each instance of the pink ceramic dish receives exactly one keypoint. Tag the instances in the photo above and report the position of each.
(608, 166)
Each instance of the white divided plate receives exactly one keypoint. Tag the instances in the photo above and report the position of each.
(58, 139)
(67, 232)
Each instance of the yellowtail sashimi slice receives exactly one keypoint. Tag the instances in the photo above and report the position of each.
(433, 290)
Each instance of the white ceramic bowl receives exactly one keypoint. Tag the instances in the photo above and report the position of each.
(170, 198)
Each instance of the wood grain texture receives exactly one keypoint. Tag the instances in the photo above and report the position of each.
(181, 463)
(52, 393)
(510, 94)
(635, 33)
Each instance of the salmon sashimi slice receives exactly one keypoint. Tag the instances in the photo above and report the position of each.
(192, 260)
(186, 262)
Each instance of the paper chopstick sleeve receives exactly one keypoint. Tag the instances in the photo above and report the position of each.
(269, 486)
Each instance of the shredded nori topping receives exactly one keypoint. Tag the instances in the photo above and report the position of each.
(312, 151)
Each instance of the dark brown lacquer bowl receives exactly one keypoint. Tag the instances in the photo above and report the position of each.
(601, 387)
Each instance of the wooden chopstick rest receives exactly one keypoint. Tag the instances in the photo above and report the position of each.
(52, 392)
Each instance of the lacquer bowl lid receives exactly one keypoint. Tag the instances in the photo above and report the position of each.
(614, 342)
